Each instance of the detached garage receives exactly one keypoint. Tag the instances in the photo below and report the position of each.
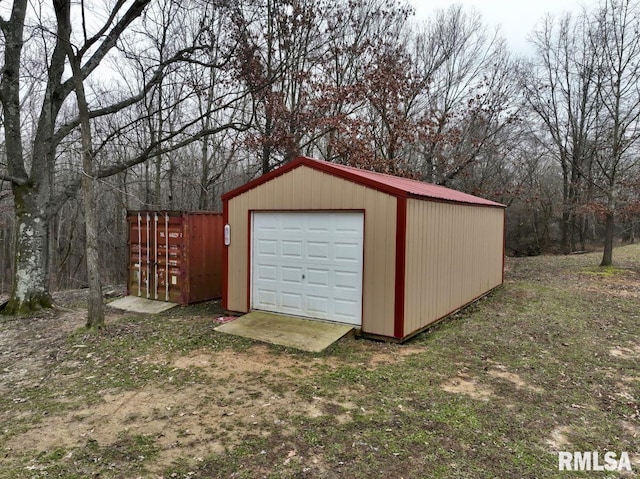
(388, 255)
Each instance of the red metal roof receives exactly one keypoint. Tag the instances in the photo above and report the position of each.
(393, 185)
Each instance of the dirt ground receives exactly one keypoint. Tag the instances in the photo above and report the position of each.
(152, 395)
(193, 421)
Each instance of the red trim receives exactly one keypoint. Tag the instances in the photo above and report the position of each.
(262, 179)
(330, 168)
(225, 257)
(364, 263)
(249, 240)
(504, 240)
(401, 257)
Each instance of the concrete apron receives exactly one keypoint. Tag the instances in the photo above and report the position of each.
(141, 305)
(298, 333)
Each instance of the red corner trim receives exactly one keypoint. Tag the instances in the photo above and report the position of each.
(504, 240)
(225, 257)
(401, 247)
(249, 258)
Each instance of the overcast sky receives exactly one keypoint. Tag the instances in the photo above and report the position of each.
(517, 18)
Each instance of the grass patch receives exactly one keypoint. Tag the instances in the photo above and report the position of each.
(606, 271)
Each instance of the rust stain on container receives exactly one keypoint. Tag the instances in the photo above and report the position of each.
(175, 256)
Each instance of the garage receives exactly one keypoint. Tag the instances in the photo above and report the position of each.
(308, 264)
(387, 255)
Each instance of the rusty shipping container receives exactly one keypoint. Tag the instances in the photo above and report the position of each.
(175, 256)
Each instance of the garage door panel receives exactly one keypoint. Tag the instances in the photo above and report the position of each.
(346, 233)
(318, 304)
(266, 227)
(318, 277)
(345, 309)
(292, 248)
(316, 223)
(346, 280)
(267, 297)
(290, 223)
(347, 251)
(318, 250)
(291, 301)
(267, 247)
(345, 225)
(292, 275)
(267, 272)
(318, 258)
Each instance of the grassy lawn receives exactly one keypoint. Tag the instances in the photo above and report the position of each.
(549, 362)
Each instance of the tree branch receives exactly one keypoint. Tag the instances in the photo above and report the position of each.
(148, 153)
(13, 179)
(91, 41)
(109, 42)
(152, 150)
(179, 56)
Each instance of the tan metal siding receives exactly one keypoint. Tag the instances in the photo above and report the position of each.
(308, 189)
(454, 255)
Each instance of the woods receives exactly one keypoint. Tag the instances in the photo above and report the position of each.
(164, 104)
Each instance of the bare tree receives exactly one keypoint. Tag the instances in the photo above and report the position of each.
(561, 88)
(95, 312)
(583, 89)
(470, 97)
(618, 41)
(32, 170)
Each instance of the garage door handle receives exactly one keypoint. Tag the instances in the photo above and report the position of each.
(303, 276)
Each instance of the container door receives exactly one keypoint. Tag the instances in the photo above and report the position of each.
(169, 280)
(141, 254)
(155, 256)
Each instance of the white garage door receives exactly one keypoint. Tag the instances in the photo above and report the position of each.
(308, 264)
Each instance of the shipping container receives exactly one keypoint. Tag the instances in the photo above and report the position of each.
(175, 256)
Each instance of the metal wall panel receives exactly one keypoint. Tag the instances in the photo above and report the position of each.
(454, 255)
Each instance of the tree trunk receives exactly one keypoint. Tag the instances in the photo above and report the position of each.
(566, 210)
(157, 184)
(30, 282)
(30, 290)
(31, 170)
(203, 192)
(95, 313)
(609, 231)
(266, 158)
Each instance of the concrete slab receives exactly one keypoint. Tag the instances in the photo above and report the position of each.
(299, 333)
(141, 305)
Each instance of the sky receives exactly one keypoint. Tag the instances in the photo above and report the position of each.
(517, 18)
